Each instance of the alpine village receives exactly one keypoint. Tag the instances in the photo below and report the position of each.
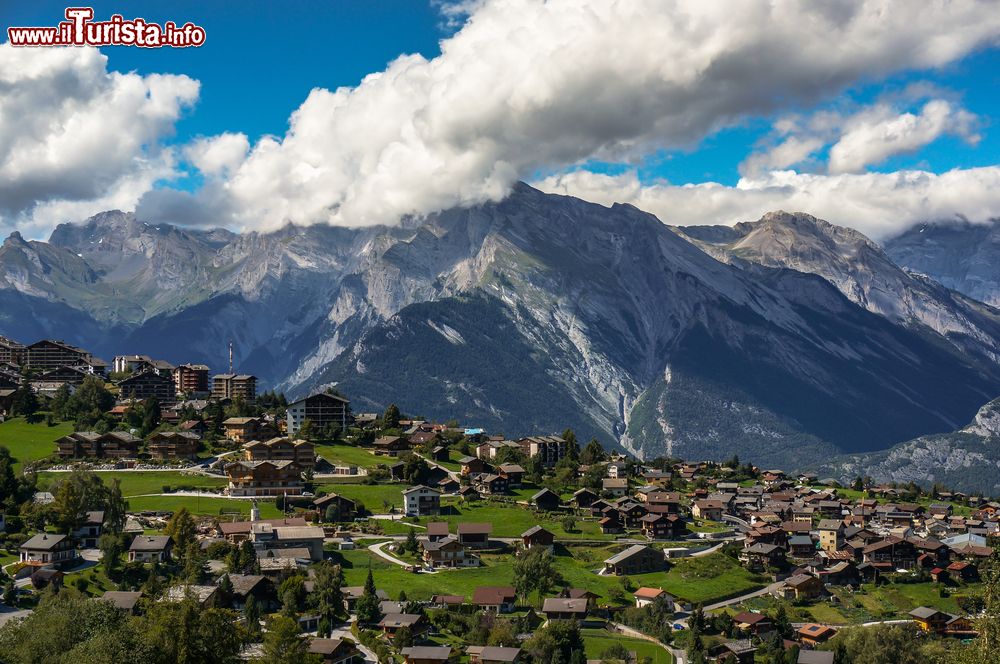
(156, 513)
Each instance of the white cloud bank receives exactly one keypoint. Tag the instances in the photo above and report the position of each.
(76, 138)
(527, 86)
(878, 204)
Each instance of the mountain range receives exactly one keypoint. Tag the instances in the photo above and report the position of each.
(540, 312)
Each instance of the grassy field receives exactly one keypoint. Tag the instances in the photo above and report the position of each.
(596, 641)
(692, 580)
(372, 495)
(349, 455)
(510, 520)
(201, 505)
(140, 483)
(882, 603)
(30, 442)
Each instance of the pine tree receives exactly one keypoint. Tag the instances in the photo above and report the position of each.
(367, 608)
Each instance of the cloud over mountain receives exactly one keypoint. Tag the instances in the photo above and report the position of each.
(525, 87)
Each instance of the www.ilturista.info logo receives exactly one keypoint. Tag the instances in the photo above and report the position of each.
(79, 29)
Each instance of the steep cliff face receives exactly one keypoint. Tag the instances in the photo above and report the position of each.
(960, 255)
(861, 270)
(541, 312)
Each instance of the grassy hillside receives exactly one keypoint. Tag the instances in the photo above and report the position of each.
(30, 442)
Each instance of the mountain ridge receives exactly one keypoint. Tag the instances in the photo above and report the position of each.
(651, 335)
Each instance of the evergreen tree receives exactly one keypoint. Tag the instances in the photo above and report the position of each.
(367, 607)
(391, 417)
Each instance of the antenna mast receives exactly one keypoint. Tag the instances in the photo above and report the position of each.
(230, 356)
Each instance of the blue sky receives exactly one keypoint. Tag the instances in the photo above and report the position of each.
(262, 59)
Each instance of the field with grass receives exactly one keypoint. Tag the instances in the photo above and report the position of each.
(510, 520)
(692, 580)
(374, 496)
(871, 603)
(349, 455)
(138, 483)
(597, 641)
(207, 506)
(30, 442)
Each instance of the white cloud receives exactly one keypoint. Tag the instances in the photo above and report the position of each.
(525, 86)
(871, 138)
(218, 155)
(878, 204)
(75, 138)
(866, 137)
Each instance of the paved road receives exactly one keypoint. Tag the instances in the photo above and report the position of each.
(377, 550)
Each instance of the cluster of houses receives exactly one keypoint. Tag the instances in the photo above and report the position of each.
(816, 537)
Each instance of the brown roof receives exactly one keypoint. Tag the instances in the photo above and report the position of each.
(493, 595)
(475, 528)
(649, 593)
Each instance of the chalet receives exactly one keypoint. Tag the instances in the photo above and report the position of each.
(168, 445)
(421, 501)
(753, 623)
(448, 485)
(536, 536)
(123, 600)
(392, 622)
(43, 577)
(812, 634)
(264, 478)
(663, 526)
(472, 465)
(657, 477)
(614, 486)
(583, 498)
(610, 525)
(113, 445)
(546, 500)
(448, 601)
(426, 654)
(257, 586)
(709, 510)
(390, 446)
(490, 484)
(801, 586)
(427, 439)
(474, 535)
(301, 452)
(241, 429)
(636, 559)
(89, 531)
(324, 411)
(513, 473)
(630, 512)
(647, 596)
(964, 570)
(437, 530)
(468, 493)
(47, 549)
(353, 593)
(148, 384)
(493, 655)
(559, 608)
(335, 651)
(929, 619)
(895, 551)
(801, 546)
(740, 651)
(499, 599)
(670, 501)
(344, 509)
(760, 556)
(446, 552)
(150, 549)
